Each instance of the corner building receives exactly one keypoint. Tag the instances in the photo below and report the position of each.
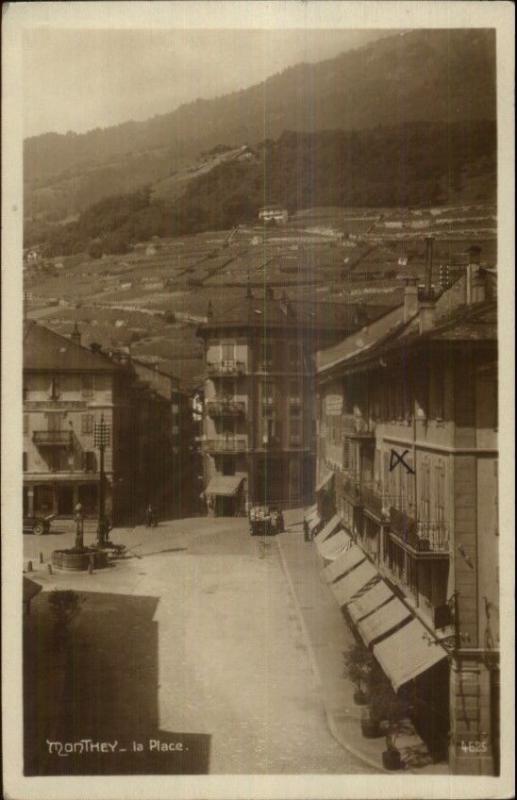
(408, 461)
(259, 412)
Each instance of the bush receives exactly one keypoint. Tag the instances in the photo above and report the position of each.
(359, 664)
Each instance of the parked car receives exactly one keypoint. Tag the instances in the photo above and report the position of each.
(37, 525)
(265, 521)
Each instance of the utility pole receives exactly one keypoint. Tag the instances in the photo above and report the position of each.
(101, 440)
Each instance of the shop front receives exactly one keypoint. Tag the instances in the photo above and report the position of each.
(60, 498)
(406, 651)
(225, 497)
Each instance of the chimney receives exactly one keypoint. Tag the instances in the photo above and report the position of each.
(429, 242)
(410, 298)
(75, 336)
(426, 315)
(475, 279)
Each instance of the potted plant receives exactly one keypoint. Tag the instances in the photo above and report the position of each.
(385, 708)
(391, 759)
(358, 667)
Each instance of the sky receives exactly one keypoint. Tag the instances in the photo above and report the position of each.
(82, 79)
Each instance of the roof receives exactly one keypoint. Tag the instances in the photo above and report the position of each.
(363, 340)
(465, 323)
(49, 352)
(266, 311)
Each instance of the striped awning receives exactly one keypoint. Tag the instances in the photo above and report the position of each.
(346, 561)
(369, 601)
(224, 485)
(329, 528)
(310, 513)
(384, 619)
(332, 547)
(358, 580)
(408, 653)
(324, 481)
(314, 522)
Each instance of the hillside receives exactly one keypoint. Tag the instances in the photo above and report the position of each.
(153, 298)
(425, 75)
(413, 165)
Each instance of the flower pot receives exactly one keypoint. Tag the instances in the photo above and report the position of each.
(391, 760)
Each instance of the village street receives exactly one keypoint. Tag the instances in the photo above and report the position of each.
(196, 633)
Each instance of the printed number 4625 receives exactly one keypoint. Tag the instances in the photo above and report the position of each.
(474, 747)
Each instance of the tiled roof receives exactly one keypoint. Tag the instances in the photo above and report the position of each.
(263, 311)
(476, 322)
(48, 351)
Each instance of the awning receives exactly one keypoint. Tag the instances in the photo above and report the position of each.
(383, 620)
(408, 653)
(346, 561)
(324, 481)
(345, 588)
(332, 547)
(310, 513)
(225, 485)
(314, 522)
(329, 528)
(369, 601)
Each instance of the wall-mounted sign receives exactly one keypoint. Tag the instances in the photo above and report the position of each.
(334, 404)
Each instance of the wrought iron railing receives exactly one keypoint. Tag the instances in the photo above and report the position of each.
(226, 367)
(352, 490)
(52, 438)
(424, 536)
(223, 407)
(231, 444)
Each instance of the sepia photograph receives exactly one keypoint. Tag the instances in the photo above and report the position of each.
(255, 322)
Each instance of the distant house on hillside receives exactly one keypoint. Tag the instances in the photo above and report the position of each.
(273, 213)
(246, 154)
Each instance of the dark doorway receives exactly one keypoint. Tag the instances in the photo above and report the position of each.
(271, 477)
(224, 506)
(65, 501)
(43, 500)
(88, 498)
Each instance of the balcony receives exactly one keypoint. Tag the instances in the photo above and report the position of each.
(420, 537)
(52, 438)
(223, 369)
(356, 426)
(375, 501)
(224, 407)
(230, 444)
(352, 491)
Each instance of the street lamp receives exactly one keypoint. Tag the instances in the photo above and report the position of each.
(101, 440)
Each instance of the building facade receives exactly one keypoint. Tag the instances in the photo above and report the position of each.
(408, 459)
(178, 494)
(68, 390)
(259, 412)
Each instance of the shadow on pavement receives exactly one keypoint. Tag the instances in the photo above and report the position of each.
(91, 697)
